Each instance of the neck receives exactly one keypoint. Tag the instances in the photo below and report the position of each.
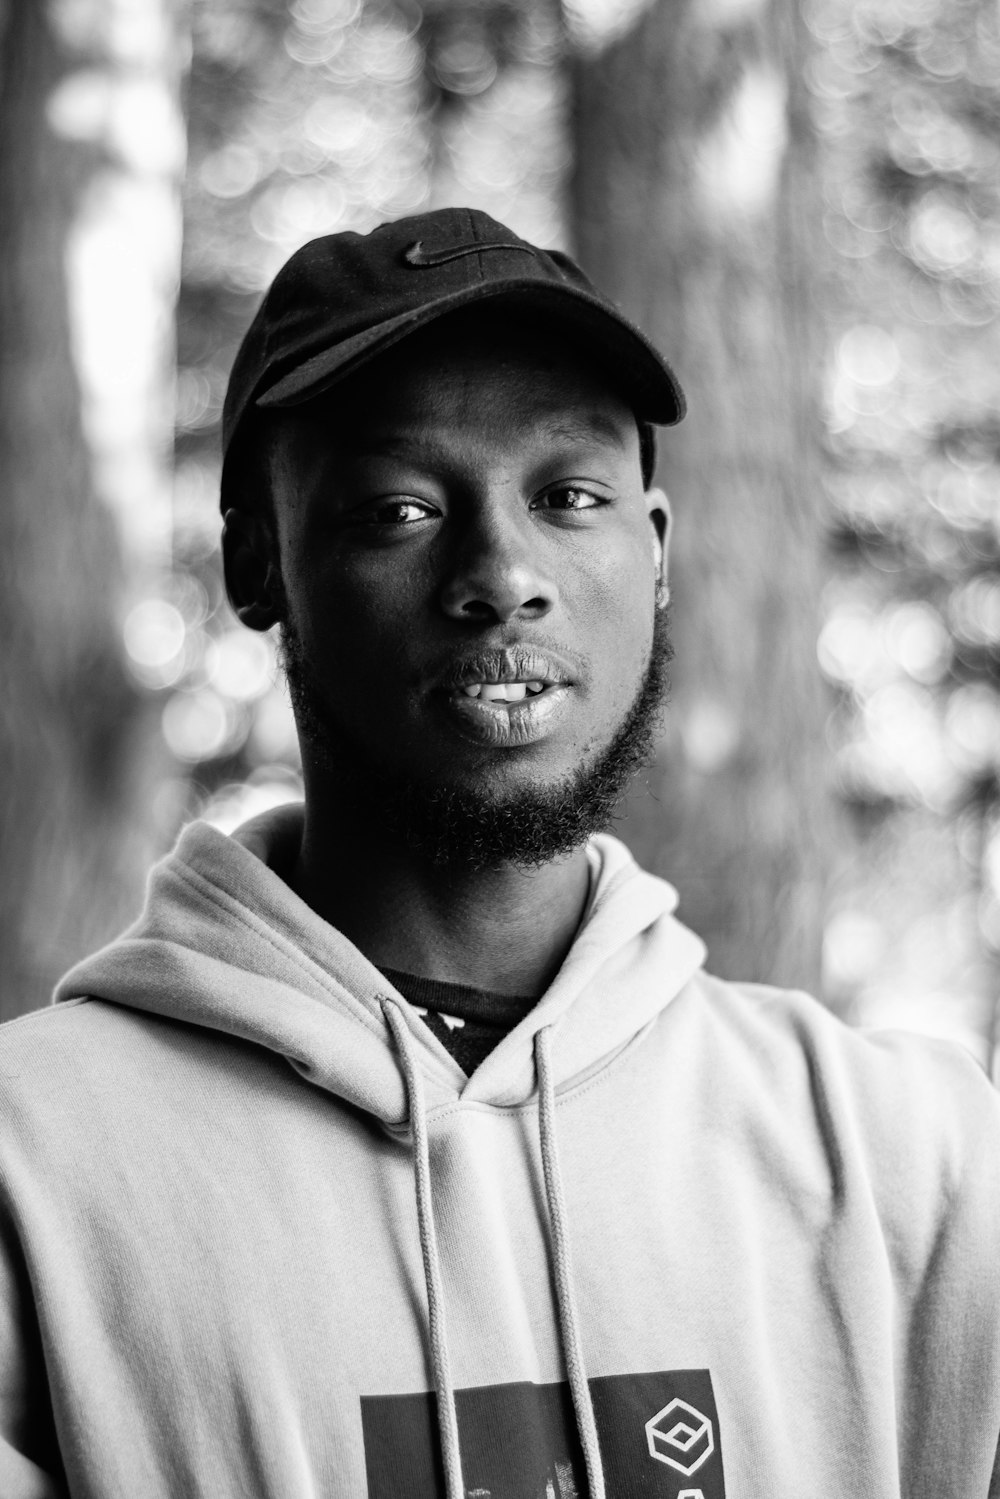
(505, 929)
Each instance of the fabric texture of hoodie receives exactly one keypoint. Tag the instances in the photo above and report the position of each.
(261, 1238)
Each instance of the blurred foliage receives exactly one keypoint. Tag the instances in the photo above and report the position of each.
(322, 115)
(907, 95)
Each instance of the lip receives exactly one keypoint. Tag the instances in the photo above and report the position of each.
(509, 725)
(509, 664)
(500, 724)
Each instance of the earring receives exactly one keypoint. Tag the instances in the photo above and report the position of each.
(662, 594)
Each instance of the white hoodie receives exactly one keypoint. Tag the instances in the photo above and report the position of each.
(260, 1237)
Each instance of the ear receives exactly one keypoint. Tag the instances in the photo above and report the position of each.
(661, 521)
(253, 581)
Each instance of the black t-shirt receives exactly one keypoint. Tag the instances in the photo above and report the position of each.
(469, 1022)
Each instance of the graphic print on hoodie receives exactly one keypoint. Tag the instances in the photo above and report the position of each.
(519, 1441)
(215, 1272)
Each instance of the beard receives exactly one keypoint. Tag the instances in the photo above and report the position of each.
(483, 828)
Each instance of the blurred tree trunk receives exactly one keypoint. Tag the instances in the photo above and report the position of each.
(75, 736)
(694, 202)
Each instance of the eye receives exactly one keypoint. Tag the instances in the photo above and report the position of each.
(399, 511)
(570, 497)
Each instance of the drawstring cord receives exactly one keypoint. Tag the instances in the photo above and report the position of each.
(447, 1415)
(569, 1321)
(568, 1318)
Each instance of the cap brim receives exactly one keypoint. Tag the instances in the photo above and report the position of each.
(634, 366)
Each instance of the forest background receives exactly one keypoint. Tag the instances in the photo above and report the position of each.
(800, 203)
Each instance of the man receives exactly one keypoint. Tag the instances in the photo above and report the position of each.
(403, 1148)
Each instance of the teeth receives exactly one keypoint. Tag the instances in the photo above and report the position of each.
(503, 692)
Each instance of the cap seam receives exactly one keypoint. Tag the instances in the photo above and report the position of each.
(478, 240)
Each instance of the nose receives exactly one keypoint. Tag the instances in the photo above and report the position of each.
(497, 574)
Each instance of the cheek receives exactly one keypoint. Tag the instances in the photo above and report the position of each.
(354, 623)
(618, 607)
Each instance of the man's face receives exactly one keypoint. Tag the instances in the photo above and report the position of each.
(469, 564)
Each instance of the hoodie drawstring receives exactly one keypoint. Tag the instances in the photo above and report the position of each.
(451, 1455)
(568, 1317)
(569, 1321)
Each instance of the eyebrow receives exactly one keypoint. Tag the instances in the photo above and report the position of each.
(585, 428)
(379, 446)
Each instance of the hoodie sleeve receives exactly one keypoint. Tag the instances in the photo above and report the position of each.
(29, 1454)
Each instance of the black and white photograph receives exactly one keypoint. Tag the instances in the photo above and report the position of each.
(499, 749)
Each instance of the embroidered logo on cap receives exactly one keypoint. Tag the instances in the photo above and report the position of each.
(680, 1436)
(420, 258)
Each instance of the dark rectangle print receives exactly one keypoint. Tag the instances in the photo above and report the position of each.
(659, 1437)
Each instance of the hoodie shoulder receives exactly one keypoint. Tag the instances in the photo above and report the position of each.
(27, 1037)
(59, 1046)
(787, 1023)
(62, 1065)
(57, 1065)
(919, 1112)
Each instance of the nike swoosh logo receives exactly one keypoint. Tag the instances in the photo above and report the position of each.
(418, 257)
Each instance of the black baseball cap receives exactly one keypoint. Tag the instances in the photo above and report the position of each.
(343, 299)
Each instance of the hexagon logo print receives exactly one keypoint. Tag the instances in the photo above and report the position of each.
(681, 1436)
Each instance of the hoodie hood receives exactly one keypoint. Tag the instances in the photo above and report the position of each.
(224, 943)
